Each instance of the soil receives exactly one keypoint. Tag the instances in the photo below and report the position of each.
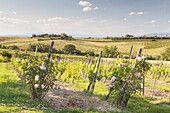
(65, 98)
(159, 94)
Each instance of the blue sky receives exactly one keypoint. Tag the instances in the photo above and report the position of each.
(80, 18)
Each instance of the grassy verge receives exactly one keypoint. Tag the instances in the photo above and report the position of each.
(14, 95)
(137, 103)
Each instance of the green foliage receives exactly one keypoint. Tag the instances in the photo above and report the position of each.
(128, 35)
(69, 49)
(13, 47)
(64, 36)
(90, 53)
(39, 73)
(6, 54)
(126, 80)
(14, 95)
(166, 54)
(111, 52)
(40, 48)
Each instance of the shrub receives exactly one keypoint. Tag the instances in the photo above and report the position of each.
(41, 48)
(13, 47)
(111, 52)
(6, 54)
(69, 49)
(39, 73)
(166, 54)
(126, 80)
(90, 53)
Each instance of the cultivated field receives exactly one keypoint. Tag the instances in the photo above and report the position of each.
(149, 47)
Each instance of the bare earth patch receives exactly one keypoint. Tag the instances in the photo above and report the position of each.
(65, 98)
(159, 94)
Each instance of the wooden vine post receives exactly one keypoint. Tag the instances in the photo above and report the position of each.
(130, 54)
(36, 49)
(50, 50)
(154, 85)
(143, 80)
(95, 72)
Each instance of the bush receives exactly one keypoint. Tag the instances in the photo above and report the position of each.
(6, 54)
(69, 49)
(166, 55)
(41, 48)
(90, 53)
(4, 47)
(13, 47)
(111, 52)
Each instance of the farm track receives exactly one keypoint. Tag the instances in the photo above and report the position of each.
(64, 97)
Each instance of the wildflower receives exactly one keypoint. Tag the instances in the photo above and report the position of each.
(42, 86)
(139, 58)
(131, 81)
(52, 61)
(37, 77)
(110, 86)
(107, 89)
(42, 67)
(121, 64)
(138, 74)
(143, 57)
(113, 79)
(46, 58)
(19, 60)
(36, 85)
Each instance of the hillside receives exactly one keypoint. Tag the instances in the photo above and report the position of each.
(149, 47)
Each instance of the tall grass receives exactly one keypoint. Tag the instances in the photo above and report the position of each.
(156, 44)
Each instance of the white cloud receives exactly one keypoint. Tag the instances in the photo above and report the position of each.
(13, 20)
(55, 19)
(96, 8)
(125, 19)
(94, 20)
(131, 13)
(89, 9)
(136, 13)
(85, 3)
(1, 12)
(169, 21)
(88, 6)
(151, 22)
(14, 12)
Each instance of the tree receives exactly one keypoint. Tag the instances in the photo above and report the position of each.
(34, 35)
(65, 36)
(69, 49)
(128, 36)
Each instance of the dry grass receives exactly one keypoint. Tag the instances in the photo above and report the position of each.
(95, 45)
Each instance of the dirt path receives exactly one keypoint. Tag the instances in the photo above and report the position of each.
(64, 98)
